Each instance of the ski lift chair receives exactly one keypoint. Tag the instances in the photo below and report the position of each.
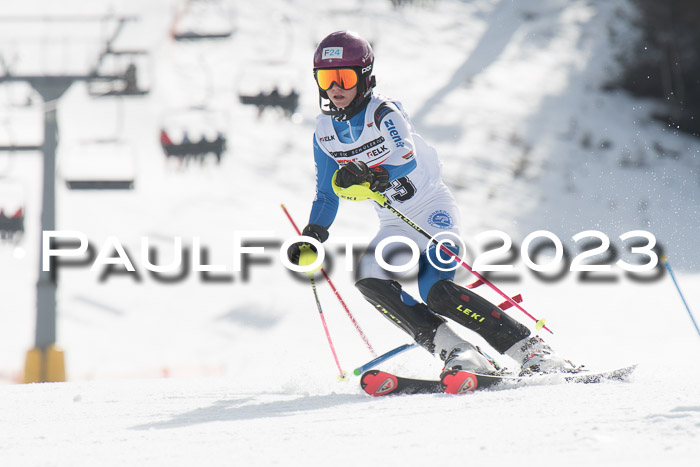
(100, 165)
(12, 207)
(187, 150)
(287, 103)
(193, 134)
(12, 227)
(123, 82)
(203, 19)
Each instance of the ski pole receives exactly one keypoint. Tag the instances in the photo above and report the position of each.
(342, 376)
(362, 192)
(673, 278)
(335, 291)
(384, 357)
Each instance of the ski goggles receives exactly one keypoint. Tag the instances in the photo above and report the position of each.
(346, 78)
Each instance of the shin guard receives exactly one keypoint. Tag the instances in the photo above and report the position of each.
(476, 313)
(413, 317)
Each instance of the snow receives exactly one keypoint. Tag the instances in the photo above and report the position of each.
(186, 422)
(177, 369)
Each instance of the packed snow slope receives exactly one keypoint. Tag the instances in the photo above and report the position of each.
(232, 368)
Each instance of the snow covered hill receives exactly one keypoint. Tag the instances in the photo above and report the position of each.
(509, 92)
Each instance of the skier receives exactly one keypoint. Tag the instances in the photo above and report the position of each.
(369, 138)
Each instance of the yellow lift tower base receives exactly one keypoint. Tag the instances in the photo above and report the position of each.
(45, 365)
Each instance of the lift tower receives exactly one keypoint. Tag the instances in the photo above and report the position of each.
(45, 362)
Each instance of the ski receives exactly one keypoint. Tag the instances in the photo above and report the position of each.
(460, 382)
(621, 374)
(380, 383)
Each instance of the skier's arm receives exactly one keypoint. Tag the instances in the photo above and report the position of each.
(323, 209)
(396, 131)
(397, 171)
(325, 205)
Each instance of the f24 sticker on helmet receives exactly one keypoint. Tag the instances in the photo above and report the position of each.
(332, 52)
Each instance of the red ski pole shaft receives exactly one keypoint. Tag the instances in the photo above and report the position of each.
(335, 291)
(342, 375)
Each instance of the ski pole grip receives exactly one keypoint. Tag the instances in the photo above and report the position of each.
(357, 192)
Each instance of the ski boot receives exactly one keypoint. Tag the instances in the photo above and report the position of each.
(535, 356)
(459, 354)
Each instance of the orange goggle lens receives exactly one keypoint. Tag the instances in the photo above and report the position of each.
(346, 78)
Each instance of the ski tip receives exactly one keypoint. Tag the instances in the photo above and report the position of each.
(620, 374)
(377, 383)
(459, 382)
(628, 370)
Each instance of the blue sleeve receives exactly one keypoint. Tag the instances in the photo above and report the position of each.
(398, 171)
(397, 132)
(325, 205)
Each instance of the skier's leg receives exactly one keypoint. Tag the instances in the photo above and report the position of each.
(445, 298)
(462, 355)
(385, 294)
(401, 309)
(429, 330)
(476, 313)
(428, 274)
(502, 332)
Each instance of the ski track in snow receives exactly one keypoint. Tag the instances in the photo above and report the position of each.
(508, 92)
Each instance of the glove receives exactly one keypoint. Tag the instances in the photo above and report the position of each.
(318, 232)
(357, 173)
(381, 179)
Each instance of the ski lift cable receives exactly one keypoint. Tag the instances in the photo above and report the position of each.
(208, 78)
(12, 153)
(121, 117)
(7, 170)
